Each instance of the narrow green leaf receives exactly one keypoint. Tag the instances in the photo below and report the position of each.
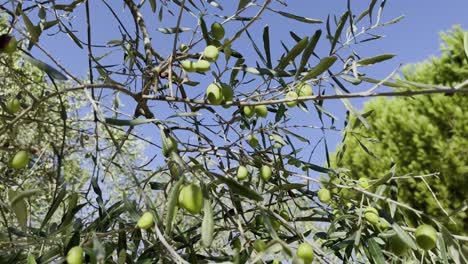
(72, 202)
(53, 207)
(73, 37)
(309, 49)
(173, 30)
(153, 5)
(443, 249)
(215, 4)
(292, 54)
(303, 139)
(34, 32)
(321, 67)
(242, 4)
(287, 187)
(240, 189)
(205, 32)
(298, 18)
(171, 206)
(375, 251)
(125, 122)
(350, 79)
(20, 209)
(24, 195)
(207, 228)
(266, 45)
(338, 31)
(386, 177)
(403, 235)
(268, 72)
(53, 73)
(31, 259)
(376, 59)
(465, 43)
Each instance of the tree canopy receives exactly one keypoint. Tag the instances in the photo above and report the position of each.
(425, 137)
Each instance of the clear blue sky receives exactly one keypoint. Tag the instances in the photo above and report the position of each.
(413, 39)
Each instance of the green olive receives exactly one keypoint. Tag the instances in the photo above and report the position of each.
(324, 195)
(211, 53)
(214, 94)
(242, 173)
(8, 44)
(372, 215)
(183, 47)
(236, 243)
(363, 182)
(249, 111)
(75, 255)
(426, 237)
(259, 245)
(146, 221)
(265, 172)
(188, 65)
(285, 215)
(252, 140)
(290, 96)
(20, 160)
(305, 252)
(304, 90)
(202, 66)
(261, 110)
(191, 198)
(13, 106)
(217, 31)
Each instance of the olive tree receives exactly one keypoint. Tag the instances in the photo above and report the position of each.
(224, 111)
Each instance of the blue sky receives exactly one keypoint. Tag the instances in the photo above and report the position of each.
(413, 39)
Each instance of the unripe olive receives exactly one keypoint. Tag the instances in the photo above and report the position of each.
(242, 173)
(146, 221)
(261, 110)
(75, 255)
(426, 237)
(249, 111)
(252, 140)
(259, 245)
(183, 47)
(372, 215)
(214, 94)
(285, 215)
(304, 90)
(20, 160)
(191, 198)
(8, 44)
(291, 95)
(324, 195)
(363, 182)
(13, 106)
(188, 65)
(217, 31)
(265, 172)
(275, 224)
(236, 243)
(211, 53)
(305, 252)
(202, 66)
